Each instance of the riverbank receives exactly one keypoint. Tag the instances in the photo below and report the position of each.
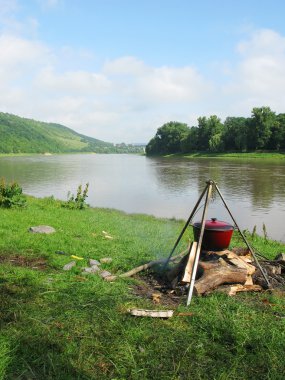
(255, 155)
(63, 325)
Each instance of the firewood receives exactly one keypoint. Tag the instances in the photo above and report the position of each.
(173, 275)
(244, 288)
(238, 261)
(231, 290)
(151, 313)
(218, 273)
(189, 266)
(249, 280)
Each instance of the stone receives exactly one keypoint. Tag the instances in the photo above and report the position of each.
(105, 274)
(106, 260)
(42, 230)
(69, 265)
(94, 262)
(93, 269)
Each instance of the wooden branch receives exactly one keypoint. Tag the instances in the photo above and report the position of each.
(146, 266)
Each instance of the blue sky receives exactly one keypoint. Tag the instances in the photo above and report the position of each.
(118, 70)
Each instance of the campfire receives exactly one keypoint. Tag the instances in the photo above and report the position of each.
(231, 271)
(208, 265)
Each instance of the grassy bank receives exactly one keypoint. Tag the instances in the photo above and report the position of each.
(63, 325)
(261, 155)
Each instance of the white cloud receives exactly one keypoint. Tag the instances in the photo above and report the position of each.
(127, 100)
(114, 103)
(16, 51)
(173, 85)
(259, 76)
(125, 66)
(72, 82)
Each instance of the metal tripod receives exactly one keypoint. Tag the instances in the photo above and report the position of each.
(208, 191)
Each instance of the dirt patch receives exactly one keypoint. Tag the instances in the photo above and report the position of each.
(153, 287)
(27, 262)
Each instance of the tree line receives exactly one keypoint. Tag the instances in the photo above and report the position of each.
(264, 130)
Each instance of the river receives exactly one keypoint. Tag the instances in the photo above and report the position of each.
(254, 189)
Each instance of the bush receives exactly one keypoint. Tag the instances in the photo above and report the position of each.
(11, 195)
(77, 202)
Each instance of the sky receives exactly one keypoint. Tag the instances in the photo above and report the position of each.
(117, 70)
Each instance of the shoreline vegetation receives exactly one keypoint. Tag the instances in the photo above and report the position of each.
(232, 155)
(263, 131)
(248, 155)
(58, 324)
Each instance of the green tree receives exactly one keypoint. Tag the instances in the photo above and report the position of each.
(260, 127)
(190, 142)
(168, 138)
(208, 128)
(235, 134)
(277, 138)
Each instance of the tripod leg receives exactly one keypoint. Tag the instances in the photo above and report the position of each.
(198, 249)
(186, 225)
(244, 239)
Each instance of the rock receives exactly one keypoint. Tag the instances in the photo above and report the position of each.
(106, 260)
(93, 269)
(105, 274)
(94, 262)
(42, 230)
(69, 265)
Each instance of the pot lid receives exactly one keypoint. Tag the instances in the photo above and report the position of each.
(215, 225)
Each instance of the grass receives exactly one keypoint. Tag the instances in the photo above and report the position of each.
(63, 325)
(255, 155)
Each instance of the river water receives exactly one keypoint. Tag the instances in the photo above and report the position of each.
(253, 189)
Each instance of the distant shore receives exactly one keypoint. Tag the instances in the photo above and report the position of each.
(262, 155)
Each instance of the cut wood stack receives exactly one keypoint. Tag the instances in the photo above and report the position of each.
(215, 269)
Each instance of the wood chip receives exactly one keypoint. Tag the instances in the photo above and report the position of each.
(156, 297)
(244, 288)
(185, 314)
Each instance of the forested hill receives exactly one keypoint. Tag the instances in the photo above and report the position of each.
(264, 130)
(20, 135)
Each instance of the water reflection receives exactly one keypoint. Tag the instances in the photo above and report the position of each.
(254, 189)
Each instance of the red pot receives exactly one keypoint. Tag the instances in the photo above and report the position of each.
(217, 234)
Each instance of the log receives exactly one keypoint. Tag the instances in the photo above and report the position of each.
(218, 273)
